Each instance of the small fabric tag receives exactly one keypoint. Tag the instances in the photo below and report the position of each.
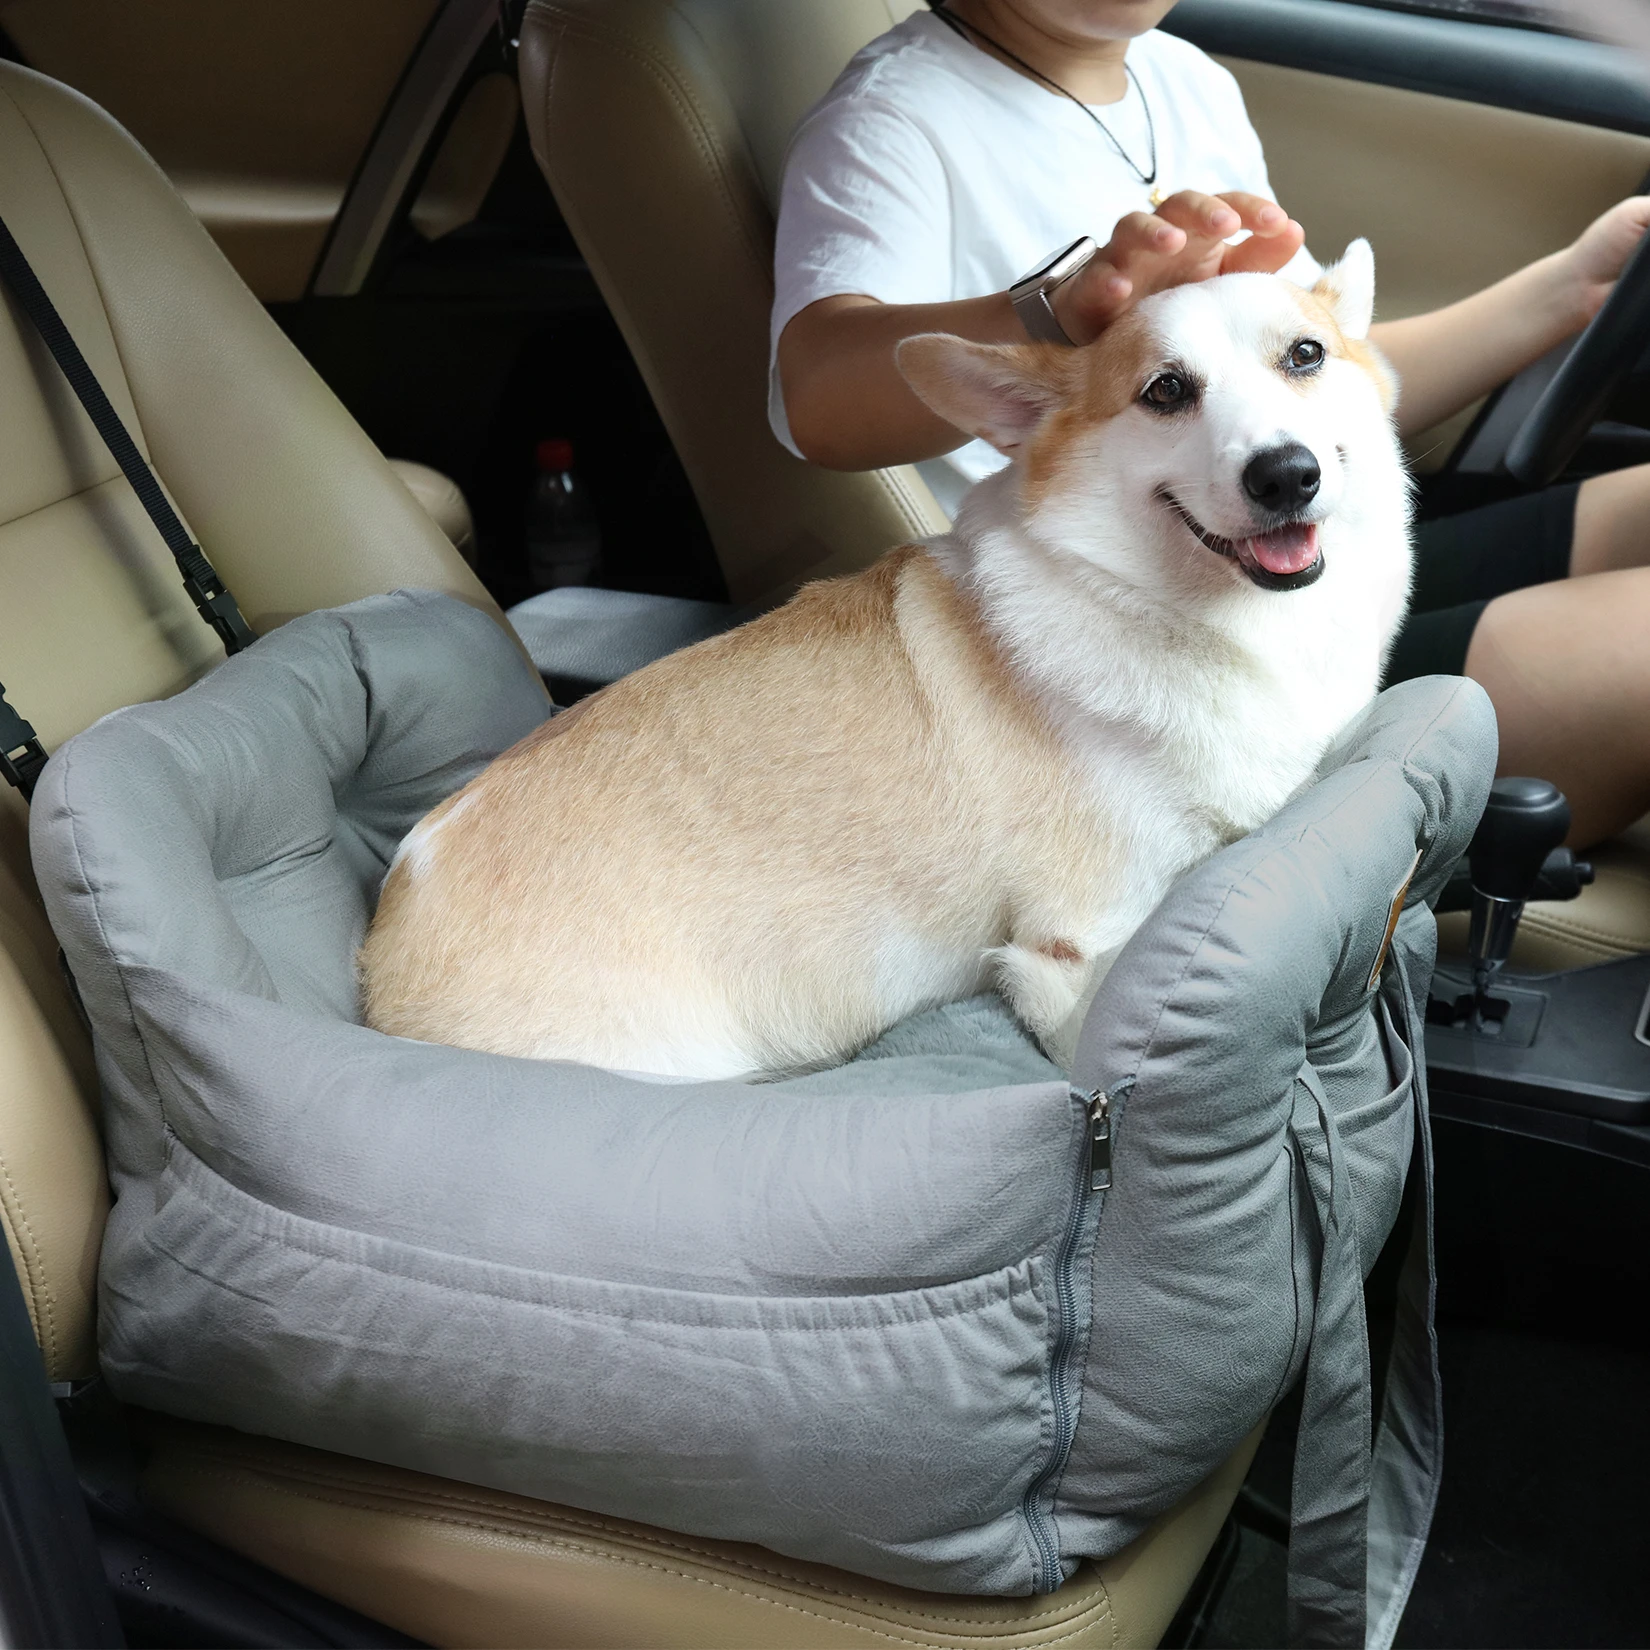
(1394, 911)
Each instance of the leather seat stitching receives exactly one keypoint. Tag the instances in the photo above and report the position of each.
(544, 1539)
(91, 269)
(1585, 937)
(39, 1296)
(110, 480)
(1582, 953)
(1559, 920)
(1586, 932)
(1614, 871)
(233, 1468)
(694, 118)
(905, 500)
(1622, 857)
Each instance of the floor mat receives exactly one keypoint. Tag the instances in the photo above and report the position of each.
(1540, 1538)
(1542, 1534)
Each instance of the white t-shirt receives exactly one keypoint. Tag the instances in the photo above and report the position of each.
(932, 171)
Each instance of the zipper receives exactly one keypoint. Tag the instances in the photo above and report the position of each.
(1094, 1175)
(1099, 1141)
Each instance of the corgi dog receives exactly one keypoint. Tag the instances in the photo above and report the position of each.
(980, 762)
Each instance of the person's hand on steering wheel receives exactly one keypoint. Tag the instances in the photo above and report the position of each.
(1595, 259)
(1186, 239)
(1603, 284)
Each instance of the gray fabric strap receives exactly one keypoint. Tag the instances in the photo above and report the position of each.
(1409, 1448)
(1328, 1537)
(1360, 1520)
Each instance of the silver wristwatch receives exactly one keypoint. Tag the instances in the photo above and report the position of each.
(1031, 293)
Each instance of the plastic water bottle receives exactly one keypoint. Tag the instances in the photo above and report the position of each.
(564, 544)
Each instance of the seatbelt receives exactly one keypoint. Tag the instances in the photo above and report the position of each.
(21, 754)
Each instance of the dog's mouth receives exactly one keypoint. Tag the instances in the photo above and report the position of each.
(1287, 558)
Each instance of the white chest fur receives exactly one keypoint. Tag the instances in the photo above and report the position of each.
(1187, 724)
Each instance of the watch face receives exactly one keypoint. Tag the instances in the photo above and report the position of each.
(1046, 265)
(1053, 262)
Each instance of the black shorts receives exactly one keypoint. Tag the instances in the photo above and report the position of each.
(1463, 562)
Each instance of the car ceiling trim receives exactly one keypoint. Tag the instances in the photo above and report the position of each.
(1509, 68)
(443, 57)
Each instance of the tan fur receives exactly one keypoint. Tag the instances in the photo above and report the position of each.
(887, 776)
(1315, 305)
(1108, 376)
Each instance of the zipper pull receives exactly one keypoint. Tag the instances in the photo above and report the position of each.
(1099, 1141)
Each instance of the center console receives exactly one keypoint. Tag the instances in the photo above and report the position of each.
(1563, 1056)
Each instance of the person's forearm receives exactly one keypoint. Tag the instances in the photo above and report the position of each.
(848, 407)
(1446, 359)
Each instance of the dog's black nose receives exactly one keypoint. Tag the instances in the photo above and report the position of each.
(1283, 479)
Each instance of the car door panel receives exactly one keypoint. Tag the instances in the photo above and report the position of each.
(1453, 195)
(259, 113)
(1463, 150)
(1501, 65)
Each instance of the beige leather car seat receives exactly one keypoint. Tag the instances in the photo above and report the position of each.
(298, 510)
(443, 501)
(661, 126)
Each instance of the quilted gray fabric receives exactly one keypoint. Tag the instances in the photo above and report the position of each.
(878, 1317)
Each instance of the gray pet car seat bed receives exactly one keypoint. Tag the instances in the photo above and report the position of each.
(939, 1316)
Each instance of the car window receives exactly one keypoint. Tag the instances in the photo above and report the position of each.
(1531, 14)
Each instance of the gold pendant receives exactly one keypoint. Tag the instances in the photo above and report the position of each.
(1158, 197)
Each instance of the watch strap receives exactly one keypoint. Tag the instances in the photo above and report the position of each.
(1037, 316)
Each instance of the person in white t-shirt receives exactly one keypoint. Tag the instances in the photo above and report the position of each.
(966, 145)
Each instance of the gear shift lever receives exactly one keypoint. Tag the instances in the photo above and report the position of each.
(1524, 820)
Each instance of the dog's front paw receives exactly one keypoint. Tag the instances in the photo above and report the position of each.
(1049, 985)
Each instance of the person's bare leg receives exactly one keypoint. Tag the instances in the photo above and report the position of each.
(1612, 522)
(1567, 666)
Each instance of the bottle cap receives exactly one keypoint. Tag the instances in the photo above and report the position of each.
(553, 455)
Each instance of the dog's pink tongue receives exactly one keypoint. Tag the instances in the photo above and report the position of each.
(1288, 550)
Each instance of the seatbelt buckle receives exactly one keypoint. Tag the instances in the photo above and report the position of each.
(22, 756)
(213, 601)
(221, 612)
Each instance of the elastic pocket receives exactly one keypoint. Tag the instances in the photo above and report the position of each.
(1376, 1136)
(868, 1431)
(1397, 1095)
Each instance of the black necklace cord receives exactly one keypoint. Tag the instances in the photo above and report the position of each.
(200, 579)
(964, 30)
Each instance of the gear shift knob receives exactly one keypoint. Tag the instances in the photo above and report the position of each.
(1524, 820)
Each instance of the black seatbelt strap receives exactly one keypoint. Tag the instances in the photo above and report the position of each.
(208, 592)
(21, 756)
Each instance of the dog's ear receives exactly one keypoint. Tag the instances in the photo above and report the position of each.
(1349, 289)
(999, 392)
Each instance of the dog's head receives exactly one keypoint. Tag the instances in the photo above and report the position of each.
(1225, 436)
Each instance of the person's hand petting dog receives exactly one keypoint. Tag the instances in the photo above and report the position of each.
(1186, 239)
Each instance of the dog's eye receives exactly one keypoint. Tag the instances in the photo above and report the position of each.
(1167, 391)
(1306, 354)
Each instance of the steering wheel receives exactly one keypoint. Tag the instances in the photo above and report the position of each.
(1575, 395)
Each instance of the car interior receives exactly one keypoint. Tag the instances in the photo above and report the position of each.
(349, 274)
